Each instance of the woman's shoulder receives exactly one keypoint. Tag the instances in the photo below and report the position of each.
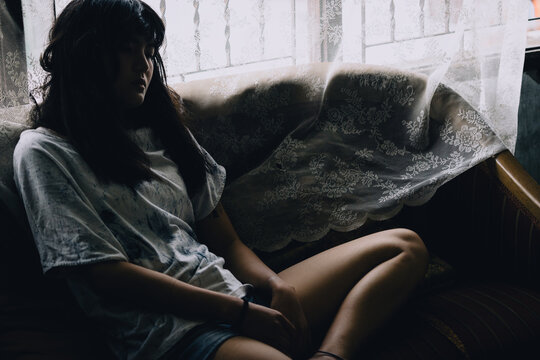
(41, 135)
(39, 141)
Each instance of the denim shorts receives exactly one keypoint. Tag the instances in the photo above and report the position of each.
(202, 342)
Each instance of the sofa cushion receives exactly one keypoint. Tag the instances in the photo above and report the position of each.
(248, 115)
(39, 318)
(491, 320)
(9, 135)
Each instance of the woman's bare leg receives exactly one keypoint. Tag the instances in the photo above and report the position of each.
(347, 292)
(353, 289)
(240, 347)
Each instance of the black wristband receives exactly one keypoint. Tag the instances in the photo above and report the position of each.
(238, 323)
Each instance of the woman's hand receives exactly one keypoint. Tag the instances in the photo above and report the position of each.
(269, 326)
(217, 232)
(285, 300)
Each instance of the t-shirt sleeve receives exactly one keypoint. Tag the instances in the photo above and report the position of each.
(207, 198)
(66, 228)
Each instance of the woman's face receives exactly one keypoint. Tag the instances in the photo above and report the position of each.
(135, 70)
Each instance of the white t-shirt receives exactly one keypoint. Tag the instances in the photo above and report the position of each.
(76, 220)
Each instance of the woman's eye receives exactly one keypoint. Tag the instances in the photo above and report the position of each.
(150, 52)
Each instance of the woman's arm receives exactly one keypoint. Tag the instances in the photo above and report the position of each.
(217, 232)
(122, 280)
(155, 291)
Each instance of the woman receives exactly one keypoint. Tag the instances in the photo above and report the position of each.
(124, 204)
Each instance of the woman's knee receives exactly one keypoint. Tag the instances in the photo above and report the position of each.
(411, 246)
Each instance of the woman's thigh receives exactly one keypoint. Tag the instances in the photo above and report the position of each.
(324, 280)
(240, 347)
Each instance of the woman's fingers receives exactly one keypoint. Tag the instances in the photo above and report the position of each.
(269, 326)
(285, 300)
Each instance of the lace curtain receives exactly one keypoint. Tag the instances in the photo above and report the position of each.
(474, 46)
(425, 52)
(13, 75)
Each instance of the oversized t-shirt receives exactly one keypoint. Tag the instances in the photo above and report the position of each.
(77, 220)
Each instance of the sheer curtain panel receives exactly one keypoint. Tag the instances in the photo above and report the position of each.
(410, 56)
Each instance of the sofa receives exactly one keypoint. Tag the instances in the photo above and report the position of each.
(481, 295)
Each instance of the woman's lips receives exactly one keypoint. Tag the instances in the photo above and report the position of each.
(140, 83)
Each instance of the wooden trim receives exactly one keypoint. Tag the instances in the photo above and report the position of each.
(518, 182)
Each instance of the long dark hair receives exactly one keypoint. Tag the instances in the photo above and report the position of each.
(78, 98)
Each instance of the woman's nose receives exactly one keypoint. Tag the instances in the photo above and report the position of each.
(142, 62)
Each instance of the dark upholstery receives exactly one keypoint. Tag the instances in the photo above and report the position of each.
(480, 298)
(478, 320)
(39, 318)
(483, 229)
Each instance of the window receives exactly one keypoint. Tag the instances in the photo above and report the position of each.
(533, 33)
(217, 36)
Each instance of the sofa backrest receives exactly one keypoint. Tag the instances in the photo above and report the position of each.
(241, 118)
(12, 123)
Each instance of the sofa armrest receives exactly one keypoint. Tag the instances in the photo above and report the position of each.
(486, 222)
(518, 183)
(518, 255)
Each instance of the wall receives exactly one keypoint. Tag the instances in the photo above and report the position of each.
(528, 141)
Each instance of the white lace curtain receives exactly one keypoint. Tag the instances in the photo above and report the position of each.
(349, 165)
(474, 46)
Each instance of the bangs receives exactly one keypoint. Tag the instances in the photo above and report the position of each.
(150, 26)
(141, 21)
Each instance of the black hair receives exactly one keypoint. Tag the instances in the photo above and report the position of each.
(78, 98)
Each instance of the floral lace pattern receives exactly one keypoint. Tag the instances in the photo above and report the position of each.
(326, 149)
(371, 148)
(13, 81)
